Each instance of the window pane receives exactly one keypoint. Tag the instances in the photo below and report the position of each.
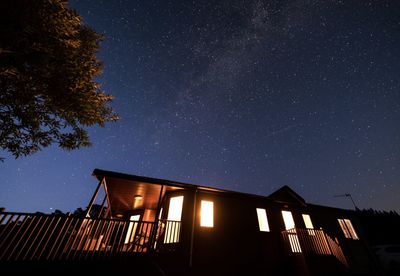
(308, 224)
(262, 220)
(207, 214)
(291, 231)
(307, 221)
(173, 225)
(351, 229)
(344, 228)
(130, 235)
(288, 220)
(175, 208)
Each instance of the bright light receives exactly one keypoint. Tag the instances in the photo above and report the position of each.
(348, 229)
(262, 220)
(308, 224)
(288, 220)
(175, 208)
(292, 235)
(130, 235)
(207, 214)
(351, 229)
(173, 226)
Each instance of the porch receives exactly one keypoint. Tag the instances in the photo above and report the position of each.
(40, 237)
(312, 242)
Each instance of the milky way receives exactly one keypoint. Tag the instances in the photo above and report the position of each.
(239, 95)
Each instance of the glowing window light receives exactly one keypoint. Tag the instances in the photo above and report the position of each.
(348, 229)
(288, 220)
(262, 220)
(207, 214)
(308, 224)
(344, 229)
(173, 226)
(351, 229)
(130, 234)
(292, 235)
(175, 208)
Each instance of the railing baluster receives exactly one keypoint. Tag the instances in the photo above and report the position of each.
(109, 236)
(13, 224)
(89, 240)
(83, 234)
(106, 236)
(62, 234)
(37, 237)
(12, 240)
(120, 248)
(115, 238)
(70, 243)
(100, 239)
(29, 237)
(3, 217)
(34, 239)
(8, 223)
(49, 238)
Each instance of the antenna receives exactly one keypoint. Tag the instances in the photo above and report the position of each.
(348, 195)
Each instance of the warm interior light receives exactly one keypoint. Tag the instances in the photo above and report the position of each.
(348, 229)
(344, 228)
(174, 216)
(307, 221)
(292, 235)
(207, 214)
(130, 234)
(288, 220)
(262, 220)
(351, 229)
(308, 224)
(175, 208)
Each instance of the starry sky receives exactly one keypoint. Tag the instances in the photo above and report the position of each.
(244, 95)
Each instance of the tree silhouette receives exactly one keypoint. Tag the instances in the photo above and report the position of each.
(47, 69)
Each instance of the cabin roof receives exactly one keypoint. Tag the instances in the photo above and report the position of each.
(124, 187)
(99, 174)
(284, 194)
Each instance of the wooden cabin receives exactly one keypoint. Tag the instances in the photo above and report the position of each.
(189, 229)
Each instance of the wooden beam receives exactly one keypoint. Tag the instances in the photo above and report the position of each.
(155, 227)
(108, 198)
(193, 226)
(94, 197)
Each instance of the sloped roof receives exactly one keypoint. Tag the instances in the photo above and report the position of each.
(286, 194)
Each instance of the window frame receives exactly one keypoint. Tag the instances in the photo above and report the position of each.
(206, 219)
(262, 218)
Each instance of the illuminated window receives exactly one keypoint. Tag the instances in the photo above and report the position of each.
(291, 231)
(288, 220)
(262, 220)
(207, 214)
(173, 225)
(348, 229)
(175, 208)
(308, 224)
(130, 234)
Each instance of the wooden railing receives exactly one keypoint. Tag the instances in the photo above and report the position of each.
(53, 237)
(312, 241)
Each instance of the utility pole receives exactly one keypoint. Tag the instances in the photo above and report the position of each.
(348, 195)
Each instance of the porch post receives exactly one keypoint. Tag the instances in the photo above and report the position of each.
(193, 226)
(155, 226)
(108, 198)
(94, 197)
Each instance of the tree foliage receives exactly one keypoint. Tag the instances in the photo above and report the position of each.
(48, 66)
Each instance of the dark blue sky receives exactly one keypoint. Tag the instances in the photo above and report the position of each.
(240, 95)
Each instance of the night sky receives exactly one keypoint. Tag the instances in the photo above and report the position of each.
(241, 95)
